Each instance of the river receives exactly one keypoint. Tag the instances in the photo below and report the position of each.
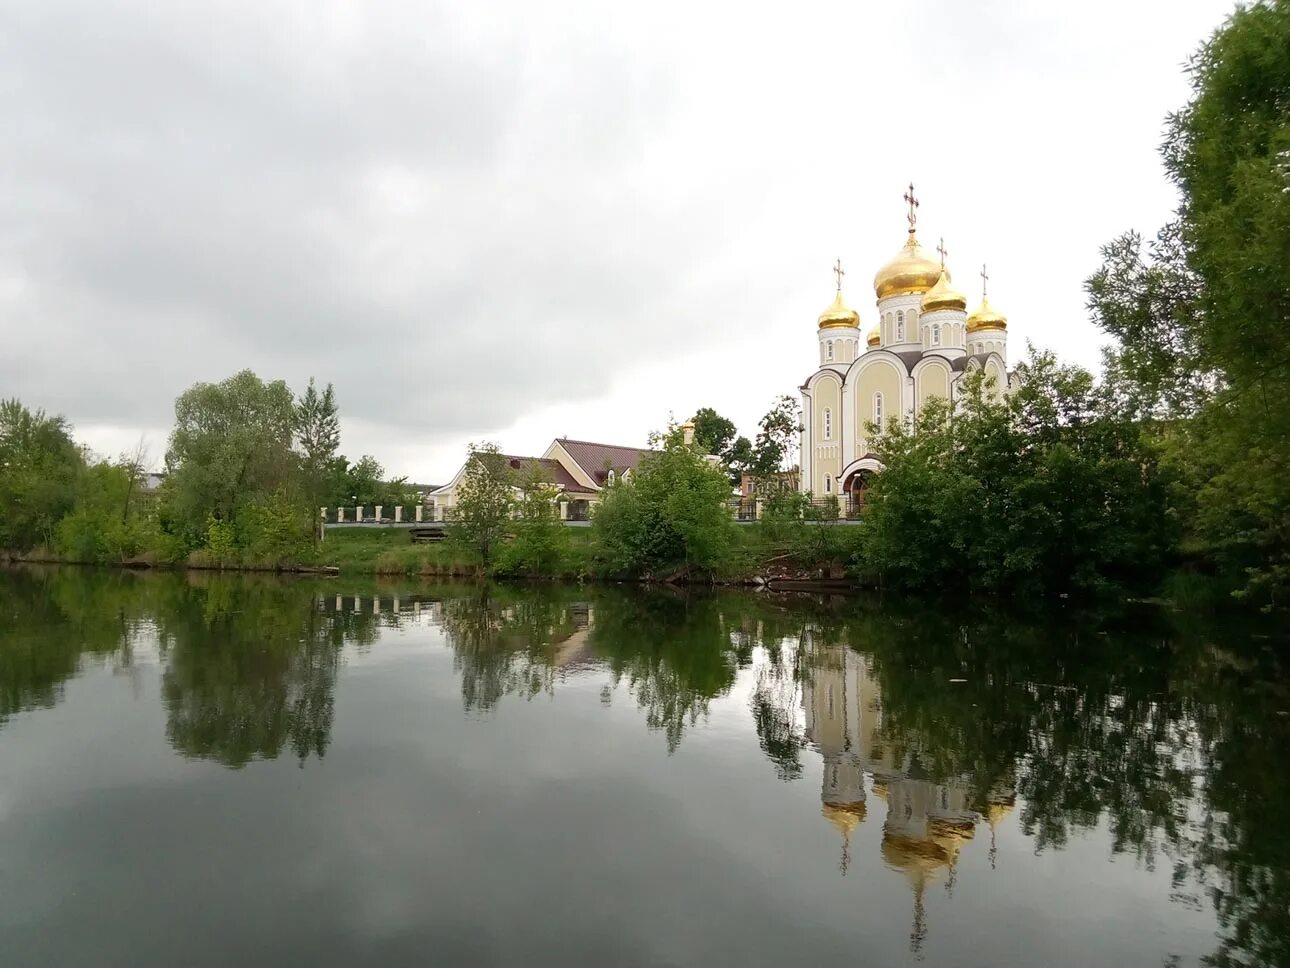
(205, 769)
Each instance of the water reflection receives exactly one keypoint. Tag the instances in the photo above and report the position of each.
(928, 732)
(927, 822)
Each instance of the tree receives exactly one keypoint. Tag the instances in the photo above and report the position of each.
(1052, 489)
(40, 469)
(541, 541)
(231, 447)
(716, 435)
(672, 518)
(777, 440)
(1202, 324)
(317, 428)
(484, 503)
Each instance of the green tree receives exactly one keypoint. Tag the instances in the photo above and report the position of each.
(317, 427)
(231, 447)
(485, 503)
(40, 470)
(540, 542)
(1201, 320)
(671, 519)
(775, 447)
(1052, 489)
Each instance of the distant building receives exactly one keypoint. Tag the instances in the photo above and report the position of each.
(750, 487)
(579, 469)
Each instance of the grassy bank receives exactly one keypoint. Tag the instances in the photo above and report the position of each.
(390, 551)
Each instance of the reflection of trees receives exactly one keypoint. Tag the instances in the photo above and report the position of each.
(676, 653)
(252, 669)
(1137, 726)
(50, 619)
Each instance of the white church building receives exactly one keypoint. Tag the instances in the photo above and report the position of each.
(923, 345)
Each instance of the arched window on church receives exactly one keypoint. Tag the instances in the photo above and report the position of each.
(877, 409)
(828, 350)
(936, 334)
(828, 484)
(828, 424)
(609, 478)
(900, 327)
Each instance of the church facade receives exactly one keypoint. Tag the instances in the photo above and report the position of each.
(923, 344)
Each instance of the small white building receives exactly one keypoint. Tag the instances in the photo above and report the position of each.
(579, 469)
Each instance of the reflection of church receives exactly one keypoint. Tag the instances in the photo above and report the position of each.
(927, 823)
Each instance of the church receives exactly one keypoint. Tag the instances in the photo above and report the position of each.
(922, 345)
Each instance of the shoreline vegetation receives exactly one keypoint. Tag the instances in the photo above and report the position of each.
(1166, 476)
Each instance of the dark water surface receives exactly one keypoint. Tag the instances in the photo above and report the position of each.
(211, 770)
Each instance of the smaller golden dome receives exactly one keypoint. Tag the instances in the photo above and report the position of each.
(839, 315)
(910, 271)
(985, 317)
(875, 337)
(944, 296)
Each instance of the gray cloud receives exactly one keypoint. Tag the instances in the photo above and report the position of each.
(463, 214)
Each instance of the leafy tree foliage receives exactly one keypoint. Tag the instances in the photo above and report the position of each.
(717, 435)
(672, 517)
(1050, 490)
(484, 504)
(232, 444)
(1202, 321)
(540, 541)
(40, 468)
(317, 427)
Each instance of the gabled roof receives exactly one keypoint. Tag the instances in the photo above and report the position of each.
(551, 470)
(597, 459)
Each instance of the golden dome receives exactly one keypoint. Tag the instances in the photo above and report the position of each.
(985, 317)
(944, 296)
(839, 315)
(910, 271)
(875, 337)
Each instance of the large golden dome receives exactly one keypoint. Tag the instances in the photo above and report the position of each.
(944, 296)
(910, 271)
(985, 317)
(839, 315)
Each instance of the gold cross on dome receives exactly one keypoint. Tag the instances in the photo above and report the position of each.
(985, 280)
(912, 201)
(941, 249)
(839, 272)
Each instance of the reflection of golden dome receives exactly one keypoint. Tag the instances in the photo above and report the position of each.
(874, 337)
(996, 812)
(910, 271)
(839, 315)
(944, 296)
(845, 816)
(985, 317)
(916, 855)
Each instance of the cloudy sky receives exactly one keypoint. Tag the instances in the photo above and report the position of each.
(513, 221)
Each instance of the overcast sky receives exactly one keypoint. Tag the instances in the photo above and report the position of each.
(513, 221)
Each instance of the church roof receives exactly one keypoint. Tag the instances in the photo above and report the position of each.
(598, 459)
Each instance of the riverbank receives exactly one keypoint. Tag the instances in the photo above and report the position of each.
(390, 552)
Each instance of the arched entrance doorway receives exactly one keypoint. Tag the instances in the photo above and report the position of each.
(856, 488)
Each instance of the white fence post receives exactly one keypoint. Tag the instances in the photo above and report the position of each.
(358, 514)
(398, 514)
(379, 509)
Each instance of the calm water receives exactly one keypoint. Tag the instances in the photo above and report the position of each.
(211, 770)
